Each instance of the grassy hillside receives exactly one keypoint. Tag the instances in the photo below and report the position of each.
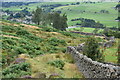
(44, 47)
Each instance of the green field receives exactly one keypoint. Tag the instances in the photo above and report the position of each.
(89, 30)
(106, 19)
(76, 11)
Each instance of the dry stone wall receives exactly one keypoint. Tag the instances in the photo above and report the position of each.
(94, 69)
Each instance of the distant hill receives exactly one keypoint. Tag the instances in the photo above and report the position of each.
(57, 0)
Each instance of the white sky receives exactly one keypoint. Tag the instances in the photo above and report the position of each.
(55, 0)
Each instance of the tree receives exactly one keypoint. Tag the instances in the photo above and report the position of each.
(60, 22)
(96, 30)
(37, 16)
(56, 20)
(91, 49)
(63, 22)
(49, 19)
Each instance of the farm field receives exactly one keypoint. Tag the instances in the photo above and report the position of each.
(91, 11)
(111, 53)
(89, 30)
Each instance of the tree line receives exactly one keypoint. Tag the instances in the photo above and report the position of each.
(54, 19)
(9, 4)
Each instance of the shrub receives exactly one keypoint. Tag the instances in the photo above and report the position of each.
(8, 29)
(51, 49)
(55, 42)
(23, 42)
(9, 41)
(11, 75)
(35, 38)
(37, 52)
(49, 29)
(57, 63)
(22, 26)
(73, 35)
(22, 32)
(19, 50)
(66, 33)
(16, 70)
(27, 47)
(91, 49)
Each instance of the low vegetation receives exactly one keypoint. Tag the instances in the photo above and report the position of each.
(18, 40)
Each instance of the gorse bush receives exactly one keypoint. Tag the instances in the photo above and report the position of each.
(55, 42)
(49, 29)
(35, 38)
(73, 35)
(25, 34)
(57, 63)
(16, 70)
(22, 32)
(66, 33)
(8, 28)
(39, 52)
(20, 50)
(9, 41)
(12, 29)
(22, 46)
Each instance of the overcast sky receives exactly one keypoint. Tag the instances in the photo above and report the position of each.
(53, 0)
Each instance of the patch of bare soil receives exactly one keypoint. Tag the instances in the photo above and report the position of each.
(35, 27)
(56, 33)
(10, 36)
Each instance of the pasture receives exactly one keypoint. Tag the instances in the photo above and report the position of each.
(83, 10)
(92, 11)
